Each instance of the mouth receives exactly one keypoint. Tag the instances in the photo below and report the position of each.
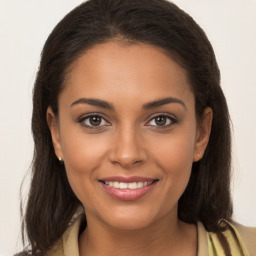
(128, 188)
(128, 185)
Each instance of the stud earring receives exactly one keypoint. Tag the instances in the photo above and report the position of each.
(198, 154)
(60, 159)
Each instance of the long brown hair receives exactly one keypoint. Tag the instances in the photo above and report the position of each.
(52, 203)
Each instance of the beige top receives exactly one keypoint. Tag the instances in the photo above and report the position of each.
(241, 240)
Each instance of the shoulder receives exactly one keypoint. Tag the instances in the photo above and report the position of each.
(240, 240)
(68, 244)
(247, 235)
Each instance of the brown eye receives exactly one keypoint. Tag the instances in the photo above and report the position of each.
(162, 121)
(93, 121)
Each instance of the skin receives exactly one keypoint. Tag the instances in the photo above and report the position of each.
(130, 142)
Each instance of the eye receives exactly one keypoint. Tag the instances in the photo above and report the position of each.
(93, 121)
(162, 121)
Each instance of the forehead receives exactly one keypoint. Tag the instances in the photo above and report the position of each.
(138, 71)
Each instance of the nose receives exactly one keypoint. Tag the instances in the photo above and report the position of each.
(127, 148)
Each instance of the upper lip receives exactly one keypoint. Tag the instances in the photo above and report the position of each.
(128, 179)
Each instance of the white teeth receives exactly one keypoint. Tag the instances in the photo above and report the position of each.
(140, 184)
(132, 185)
(115, 184)
(124, 185)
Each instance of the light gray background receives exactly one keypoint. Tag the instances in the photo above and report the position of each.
(24, 27)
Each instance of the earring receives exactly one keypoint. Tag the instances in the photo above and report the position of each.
(60, 159)
(198, 154)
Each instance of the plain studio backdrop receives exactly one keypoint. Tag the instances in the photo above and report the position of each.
(24, 27)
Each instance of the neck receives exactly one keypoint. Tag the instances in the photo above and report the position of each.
(165, 237)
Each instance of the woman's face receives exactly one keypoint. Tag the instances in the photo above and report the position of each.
(127, 133)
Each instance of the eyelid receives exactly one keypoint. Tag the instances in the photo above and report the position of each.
(170, 116)
(82, 118)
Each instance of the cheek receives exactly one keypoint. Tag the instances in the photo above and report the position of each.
(82, 151)
(83, 155)
(176, 150)
(175, 157)
(176, 168)
(177, 153)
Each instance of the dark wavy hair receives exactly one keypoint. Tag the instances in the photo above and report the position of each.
(51, 202)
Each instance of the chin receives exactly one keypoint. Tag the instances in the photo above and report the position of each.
(131, 219)
(130, 223)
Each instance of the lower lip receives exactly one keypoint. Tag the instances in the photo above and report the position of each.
(128, 194)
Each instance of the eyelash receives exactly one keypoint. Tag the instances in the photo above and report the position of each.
(171, 119)
(83, 119)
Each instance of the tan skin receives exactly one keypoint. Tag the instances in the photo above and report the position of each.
(159, 142)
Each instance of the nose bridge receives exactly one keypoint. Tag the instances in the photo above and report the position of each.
(127, 148)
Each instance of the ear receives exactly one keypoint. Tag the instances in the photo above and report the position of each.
(203, 133)
(55, 132)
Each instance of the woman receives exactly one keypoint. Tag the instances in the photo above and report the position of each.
(132, 138)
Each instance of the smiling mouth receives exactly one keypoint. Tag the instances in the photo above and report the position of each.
(128, 185)
(128, 188)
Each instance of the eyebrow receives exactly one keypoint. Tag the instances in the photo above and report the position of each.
(93, 102)
(149, 105)
(164, 101)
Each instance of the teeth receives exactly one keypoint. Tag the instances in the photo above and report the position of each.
(140, 184)
(133, 185)
(124, 185)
